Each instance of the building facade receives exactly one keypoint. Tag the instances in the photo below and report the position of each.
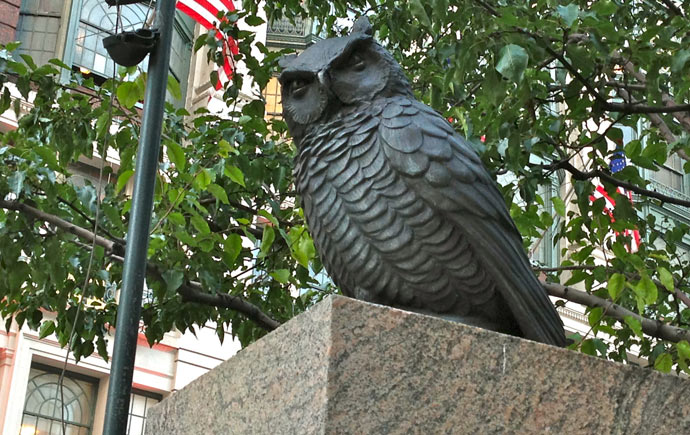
(30, 367)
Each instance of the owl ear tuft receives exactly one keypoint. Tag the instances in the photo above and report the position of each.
(285, 61)
(362, 25)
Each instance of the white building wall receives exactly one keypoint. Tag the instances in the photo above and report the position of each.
(162, 369)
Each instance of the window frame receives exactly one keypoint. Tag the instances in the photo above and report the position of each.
(75, 376)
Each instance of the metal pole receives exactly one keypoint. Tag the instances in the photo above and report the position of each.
(129, 310)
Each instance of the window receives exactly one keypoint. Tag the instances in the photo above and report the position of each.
(670, 174)
(97, 21)
(38, 27)
(139, 404)
(42, 410)
(42, 29)
(543, 251)
(274, 107)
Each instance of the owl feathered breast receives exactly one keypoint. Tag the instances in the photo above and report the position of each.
(403, 213)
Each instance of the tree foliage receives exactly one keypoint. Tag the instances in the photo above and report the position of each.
(546, 91)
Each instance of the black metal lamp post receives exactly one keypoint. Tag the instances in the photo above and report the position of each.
(134, 272)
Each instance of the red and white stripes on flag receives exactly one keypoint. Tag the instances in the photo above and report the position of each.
(205, 12)
(600, 192)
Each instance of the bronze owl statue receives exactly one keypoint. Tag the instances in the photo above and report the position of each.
(400, 207)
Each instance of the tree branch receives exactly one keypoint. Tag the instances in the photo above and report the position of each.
(581, 175)
(564, 268)
(650, 327)
(620, 85)
(668, 101)
(676, 291)
(655, 119)
(641, 108)
(190, 291)
(90, 220)
(669, 106)
(488, 7)
(78, 231)
(672, 8)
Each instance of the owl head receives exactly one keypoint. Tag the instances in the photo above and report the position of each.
(337, 72)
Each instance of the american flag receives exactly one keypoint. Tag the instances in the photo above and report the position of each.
(205, 12)
(618, 163)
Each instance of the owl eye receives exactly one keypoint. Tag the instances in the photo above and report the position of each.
(357, 63)
(298, 88)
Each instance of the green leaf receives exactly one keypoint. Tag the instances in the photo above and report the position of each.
(173, 279)
(176, 155)
(558, 205)
(633, 148)
(47, 328)
(128, 93)
(48, 157)
(281, 275)
(11, 46)
(29, 61)
(301, 246)
(679, 61)
(122, 180)
(102, 347)
(664, 362)
(177, 218)
(235, 174)
(646, 293)
(226, 148)
(200, 42)
(666, 279)
(218, 192)
(254, 20)
(604, 8)
(16, 182)
(569, 13)
(232, 246)
(418, 11)
(615, 285)
(512, 62)
(650, 290)
(595, 315)
(202, 180)
(634, 324)
(683, 348)
(200, 224)
(18, 68)
(173, 87)
(102, 124)
(588, 347)
(61, 64)
(267, 239)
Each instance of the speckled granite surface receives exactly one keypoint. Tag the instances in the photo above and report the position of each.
(351, 367)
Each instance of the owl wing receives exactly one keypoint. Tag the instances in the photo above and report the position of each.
(442, 168)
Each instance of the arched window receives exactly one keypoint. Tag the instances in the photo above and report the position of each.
(42, 410)
(42, 22)
(97, 21)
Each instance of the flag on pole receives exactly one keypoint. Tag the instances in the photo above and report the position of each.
(205, 12)
(618, 163)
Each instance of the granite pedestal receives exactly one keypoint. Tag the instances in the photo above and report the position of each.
(347, 366)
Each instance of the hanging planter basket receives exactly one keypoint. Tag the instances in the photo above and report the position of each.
(121, 2)
(130, 48)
